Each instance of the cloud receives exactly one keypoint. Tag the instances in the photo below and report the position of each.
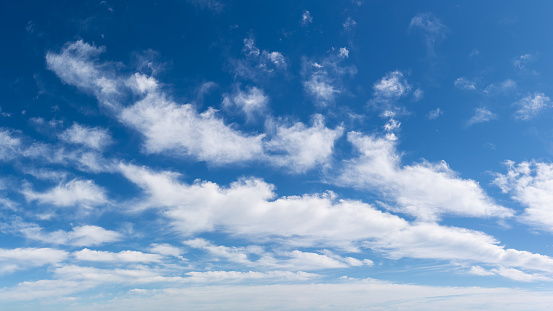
(323, 79)
(24, 258)
(300, 147)
(306, 18)
(252, 102)
(77, 192)
(294, 261)
(424, 190)
(120, 257)
(76, 65)
(339, 295)
(530, 184)
(388, 90)
(432, 28)
(463, 83)
(87, 235)
(349, 24)
(91, 137)
(249, 209)
(213, 5)
(166, 250)
(343, 53)
(258, 61)
(10, 146)
(481, 115)
(392, 85)
(181, 130)
(434, 114)
(522, 62)
(531, 106)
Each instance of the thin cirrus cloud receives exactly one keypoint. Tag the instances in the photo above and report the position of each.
(531, 106)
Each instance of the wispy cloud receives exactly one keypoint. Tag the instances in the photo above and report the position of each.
(432, 28)
(531, 106)
(481, 115)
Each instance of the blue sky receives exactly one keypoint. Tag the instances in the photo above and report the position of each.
(286, 155)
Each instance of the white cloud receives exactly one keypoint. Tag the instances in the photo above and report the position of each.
(432, 28)
(87, 235)
(522, 62)
(258, 61)
(418, 94)
(75, 65)
(76, 192)
(306, 18)
(221, 276)
(392, 85)
(295, 260)
(345, 295)
(181, 130)
(424, 190)
(323, 79)
(300, 147)
(531, 106)
(249, 209)
(10, 146)
(531, 184)
(23, 258)
(481, 115)
(465, 84)
(350, 23)
(120, 257)
(166, 250)
(343, 53)
(252, 102)
(319, 86)
(501, 88)
(434, 114)
(92, 137)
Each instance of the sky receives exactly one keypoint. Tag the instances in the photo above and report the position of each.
(276, 155)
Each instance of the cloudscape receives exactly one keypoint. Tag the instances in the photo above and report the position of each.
(276, 155)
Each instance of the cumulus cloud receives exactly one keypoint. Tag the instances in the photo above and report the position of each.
(392, 85)
(77, 192)
(425, 190)
(300, 147)
(24, 258)
(530, 184)
(481, 115)
(181, 130)
(252, 102)
(91, 137)
(87, 235)
(249, 209)
(531, 106)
